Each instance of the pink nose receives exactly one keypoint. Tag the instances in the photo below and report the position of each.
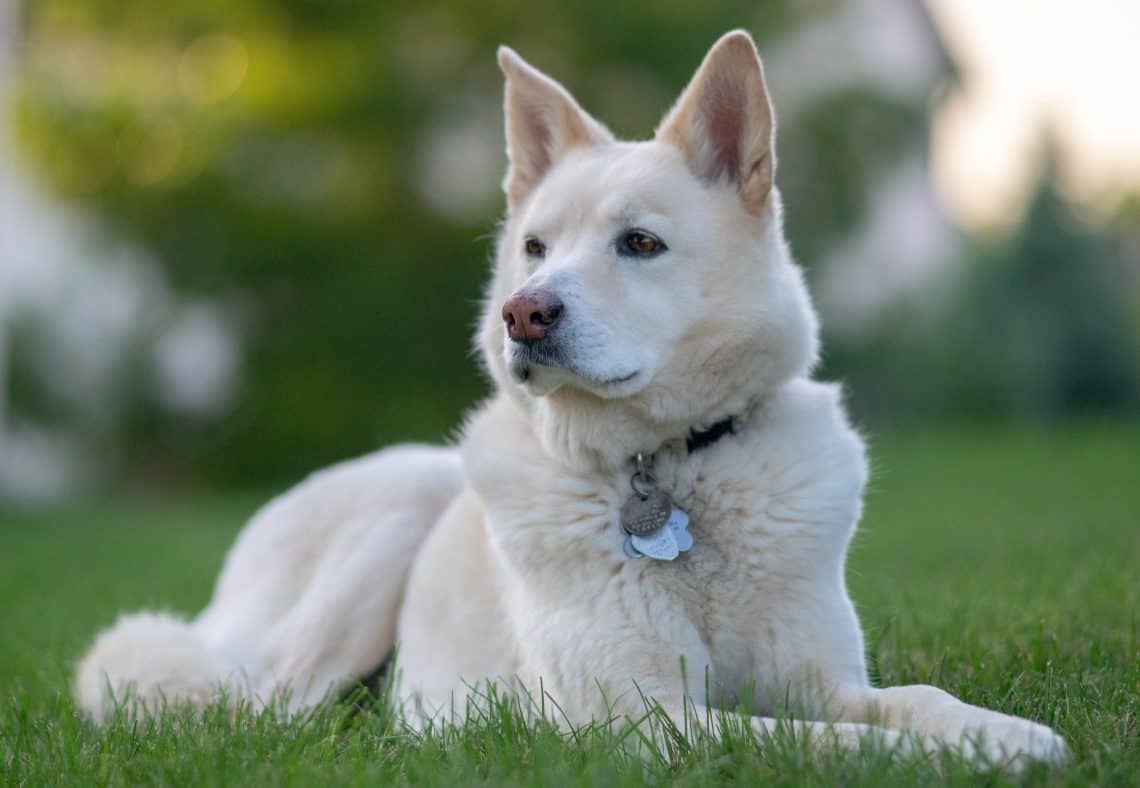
(529, 314)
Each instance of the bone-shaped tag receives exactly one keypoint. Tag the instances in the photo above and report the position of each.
(661, 544)
(678, 523)
(664, 544)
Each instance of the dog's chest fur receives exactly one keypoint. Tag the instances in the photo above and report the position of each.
(772, 510)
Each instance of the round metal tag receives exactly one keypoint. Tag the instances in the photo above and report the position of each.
(643, 516)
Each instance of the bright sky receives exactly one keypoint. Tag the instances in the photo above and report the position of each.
(1070, 65)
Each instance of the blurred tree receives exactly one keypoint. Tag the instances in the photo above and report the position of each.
(1047, 320)
(1042, 325)
(325, 175)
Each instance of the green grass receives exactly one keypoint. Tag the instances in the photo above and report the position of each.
(1001, 565)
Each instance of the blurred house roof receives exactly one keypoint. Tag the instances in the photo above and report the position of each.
(891, 45)
(907, 238)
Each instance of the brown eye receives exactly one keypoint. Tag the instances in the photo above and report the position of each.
(641, 244)
(534, 247)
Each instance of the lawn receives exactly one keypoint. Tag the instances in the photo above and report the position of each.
(1002, 565)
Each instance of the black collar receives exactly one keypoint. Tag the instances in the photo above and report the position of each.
(705, 438)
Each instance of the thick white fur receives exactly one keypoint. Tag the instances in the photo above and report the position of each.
(148, 658)
(522, 580)
(307, 599)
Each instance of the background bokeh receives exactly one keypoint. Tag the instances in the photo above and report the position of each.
(242, 239)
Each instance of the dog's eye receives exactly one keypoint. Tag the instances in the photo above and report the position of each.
(641, 244)
(534, 247)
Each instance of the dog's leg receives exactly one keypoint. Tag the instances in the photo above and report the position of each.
(691, 718)
(983, 735)
(686, 717)
(344, 624)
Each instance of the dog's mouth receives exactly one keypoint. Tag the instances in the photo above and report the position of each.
(525, 360)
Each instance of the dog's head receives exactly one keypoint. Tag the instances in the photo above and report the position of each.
(643, 288)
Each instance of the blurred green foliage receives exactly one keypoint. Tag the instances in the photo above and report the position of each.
(278, 157)
(1044, 325)
(271, 153)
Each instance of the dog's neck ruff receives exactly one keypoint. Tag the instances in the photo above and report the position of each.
(654, 526)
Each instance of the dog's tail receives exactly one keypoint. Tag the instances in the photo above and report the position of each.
(146, 660)
(308, 599)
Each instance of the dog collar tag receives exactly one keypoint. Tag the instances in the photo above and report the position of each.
(661, 545)
(678, 523)
(645, 512)
(665, 545)
(655, 528)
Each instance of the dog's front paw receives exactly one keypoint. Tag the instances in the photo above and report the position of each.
(1014, 743)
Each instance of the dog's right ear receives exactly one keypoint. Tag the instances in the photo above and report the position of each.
(723, 122)
(543, 121)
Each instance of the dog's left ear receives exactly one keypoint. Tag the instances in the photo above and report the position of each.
(723, 122)
(543, 121)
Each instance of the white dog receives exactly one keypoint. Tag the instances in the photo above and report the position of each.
(656, 502)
